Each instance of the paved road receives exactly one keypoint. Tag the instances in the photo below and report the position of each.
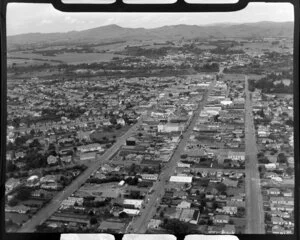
(254, 201)
(48, 210)
(140, 223)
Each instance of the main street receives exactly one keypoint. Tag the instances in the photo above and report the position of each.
(140, 223)
(55, 203)
(254, 201)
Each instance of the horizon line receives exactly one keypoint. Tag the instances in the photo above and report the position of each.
(117, 25)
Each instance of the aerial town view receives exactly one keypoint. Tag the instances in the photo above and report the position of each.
(180, 128)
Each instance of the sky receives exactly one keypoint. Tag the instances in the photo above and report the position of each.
(44, 18)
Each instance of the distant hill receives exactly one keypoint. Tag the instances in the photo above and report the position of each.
(115, 32)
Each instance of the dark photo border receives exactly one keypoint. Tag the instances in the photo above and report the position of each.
(119, 6)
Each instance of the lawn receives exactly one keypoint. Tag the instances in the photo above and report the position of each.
(16, 217)
(99, 135)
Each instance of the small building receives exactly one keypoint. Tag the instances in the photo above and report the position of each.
(52, 160)
(131, 141)
(189, 215)
(71, 201)
(280, 230)
(21, 209)
(236, 156)
(181, 179)
(270, 166)
(183, 205)
(152, 177)
(154, 223)
(33, 181)
(230, 183)
(11, 184)
(90, 148)
(135, 203)
(49, 179)
(87, 156)
(66, 159)
(277, 221)
(131, 212)
(221, 219)
(273, 191)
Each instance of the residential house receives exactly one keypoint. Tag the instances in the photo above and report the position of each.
(51, 186)
(71, 201)
(11, 184)
(288, 193)
(230, 183)
(90, 148)
(277, 221)
(33, 181)
(66, 159)
(154, 223)
(270, 166)
(280, 230)
(88, 156)
(181, 179)
(231, 210)
(131, 212)
(273, 191)
(189, 215)
(49, 179)
(134, 203)
(236, 156)
(21, 209)
(282, 200)
(52, 160)
(221, 219)
(183, 205)
(152, 177)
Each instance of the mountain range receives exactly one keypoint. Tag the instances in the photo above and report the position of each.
(115, 32)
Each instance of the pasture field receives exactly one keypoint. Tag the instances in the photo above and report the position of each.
(69, 58)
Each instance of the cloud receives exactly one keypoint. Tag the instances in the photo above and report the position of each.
(45, 22)
(70, 20)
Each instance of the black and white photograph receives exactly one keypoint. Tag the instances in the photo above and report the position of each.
(150, 123)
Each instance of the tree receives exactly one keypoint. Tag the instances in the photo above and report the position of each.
(93, 220)
(221, 187)
(10, 167)
(290, 171)
(177, 227)
(183, 156)
(123, 215)
(281, 158)
(23, 194)
(35, 144)
(13, 202)
(51, 147)
(32, 132)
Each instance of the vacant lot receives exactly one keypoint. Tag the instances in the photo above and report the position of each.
(111, 190)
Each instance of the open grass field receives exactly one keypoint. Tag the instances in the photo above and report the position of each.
(259, 47)
(19, 62)
(104, 190)
(99, 135)
(69, 58)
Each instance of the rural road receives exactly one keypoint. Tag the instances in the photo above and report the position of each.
(140, 223)
(254, 201)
